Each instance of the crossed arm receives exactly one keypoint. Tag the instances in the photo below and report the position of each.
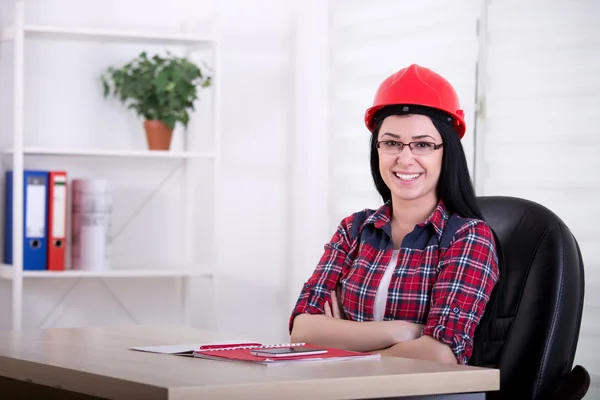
(389, 338)
(468, 271)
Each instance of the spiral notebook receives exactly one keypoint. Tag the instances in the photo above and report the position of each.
(243, 352)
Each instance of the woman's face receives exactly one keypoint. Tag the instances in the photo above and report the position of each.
(410, 175)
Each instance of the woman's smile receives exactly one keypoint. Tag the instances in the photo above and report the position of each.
(406, 178)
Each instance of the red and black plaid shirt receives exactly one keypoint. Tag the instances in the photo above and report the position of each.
(445, 273)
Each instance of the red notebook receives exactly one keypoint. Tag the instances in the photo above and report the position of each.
(243, 352)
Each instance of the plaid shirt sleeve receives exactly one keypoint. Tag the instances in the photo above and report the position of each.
(325, 277)
(468, 272)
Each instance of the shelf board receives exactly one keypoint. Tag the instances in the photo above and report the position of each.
(101, 35)
(111, 153)
(6, 272)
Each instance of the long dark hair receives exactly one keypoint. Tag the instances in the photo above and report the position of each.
(455, 188)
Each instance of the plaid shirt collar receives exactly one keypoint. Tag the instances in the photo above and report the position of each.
(382, 216)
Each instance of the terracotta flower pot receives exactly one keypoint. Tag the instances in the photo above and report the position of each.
(158, 135)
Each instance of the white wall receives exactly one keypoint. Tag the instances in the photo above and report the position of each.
(538, 139)
(64, 108)
(309, 186)
(369, 44)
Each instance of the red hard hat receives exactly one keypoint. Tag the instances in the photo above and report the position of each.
(417, 85)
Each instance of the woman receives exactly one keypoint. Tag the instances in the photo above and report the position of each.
(412, 278)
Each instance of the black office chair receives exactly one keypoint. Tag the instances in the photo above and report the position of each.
(535, 329)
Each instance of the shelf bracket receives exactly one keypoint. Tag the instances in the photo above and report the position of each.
(67, 294)
(118, 301)
(146, 201)
(60, 301)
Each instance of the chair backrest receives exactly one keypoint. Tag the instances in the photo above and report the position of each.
(540, 298)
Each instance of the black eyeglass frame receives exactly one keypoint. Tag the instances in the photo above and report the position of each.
(410, 145)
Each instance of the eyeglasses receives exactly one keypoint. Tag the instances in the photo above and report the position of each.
(417, 148)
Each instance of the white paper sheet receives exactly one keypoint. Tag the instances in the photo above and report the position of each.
(183, 349)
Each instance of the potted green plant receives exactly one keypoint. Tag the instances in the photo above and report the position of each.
(161, 90)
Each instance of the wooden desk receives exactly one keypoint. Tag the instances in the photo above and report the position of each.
(78, 363)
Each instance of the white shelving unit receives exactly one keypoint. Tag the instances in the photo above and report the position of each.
(55, 32)
(16, 36)
(7, 272)
(110, 153)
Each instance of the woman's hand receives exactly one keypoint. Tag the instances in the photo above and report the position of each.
(397, 330)
(403, 331)
(333, 310)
